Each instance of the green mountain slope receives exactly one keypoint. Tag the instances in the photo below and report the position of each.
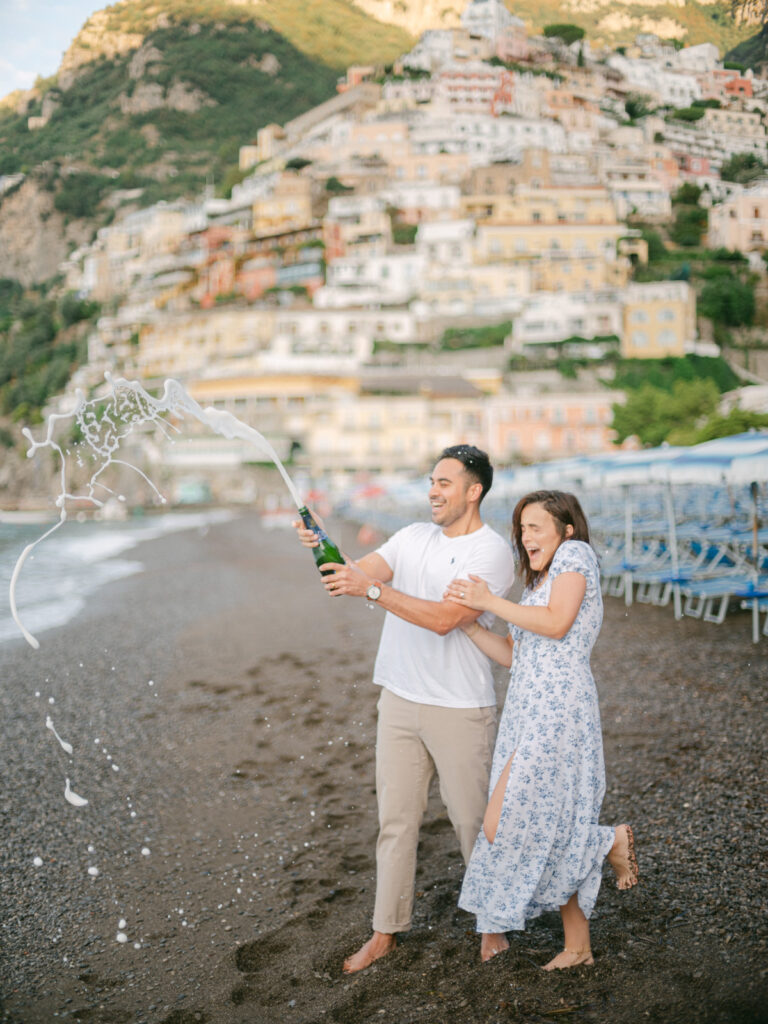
(161, 97)
(753, 52)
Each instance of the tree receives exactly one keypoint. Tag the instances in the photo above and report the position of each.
(742, 168)
(687, 114)
(737, 421)
(690, 224)
(727, 300)
(656, 248)
(687, 193)
(637, 105)
(333, 184)
(567, 32)
(73, 309)
(81, 193)
(232, 176)
(653, 414)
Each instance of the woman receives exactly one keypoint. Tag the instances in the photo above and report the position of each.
(541, 847)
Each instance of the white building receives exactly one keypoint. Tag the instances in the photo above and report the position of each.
(448, 242)
(487, 18)
(387, 280)
(399, 94)
(704, 57)
(485, 138)
(645, 196)
(333, 341)
(715, 142)
(547, 318)
(435, 48)
(650, 77)
(422, 200)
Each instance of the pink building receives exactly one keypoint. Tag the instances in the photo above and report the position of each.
(476, 88)
(695, 165)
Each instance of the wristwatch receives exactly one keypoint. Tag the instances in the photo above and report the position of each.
(373, 593)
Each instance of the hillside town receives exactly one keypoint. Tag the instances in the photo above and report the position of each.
(486, 187)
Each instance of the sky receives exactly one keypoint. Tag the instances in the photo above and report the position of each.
(34, 35)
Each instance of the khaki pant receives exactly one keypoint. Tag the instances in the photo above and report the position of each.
(412, 741)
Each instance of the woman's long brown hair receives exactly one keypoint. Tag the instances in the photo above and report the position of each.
(564, 509)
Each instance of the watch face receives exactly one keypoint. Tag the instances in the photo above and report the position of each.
(373, 593)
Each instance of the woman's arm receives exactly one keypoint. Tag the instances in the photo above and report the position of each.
(497, 647)
(552, 620)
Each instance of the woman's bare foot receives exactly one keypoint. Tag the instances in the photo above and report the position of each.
(570, 958)
(622, 858)
(492, 943)
(379, 944)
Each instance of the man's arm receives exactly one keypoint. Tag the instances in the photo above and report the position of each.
(353, 580)
(438, 616)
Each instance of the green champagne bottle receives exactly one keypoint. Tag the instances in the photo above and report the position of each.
(326, 550)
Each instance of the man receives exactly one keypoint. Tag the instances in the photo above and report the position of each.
(437, 708)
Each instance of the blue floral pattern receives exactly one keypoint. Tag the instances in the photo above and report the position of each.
(548, 844)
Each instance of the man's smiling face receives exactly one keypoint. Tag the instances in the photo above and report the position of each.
(448, 499)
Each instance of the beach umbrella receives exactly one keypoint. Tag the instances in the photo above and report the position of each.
(626, 470)
(737, 460)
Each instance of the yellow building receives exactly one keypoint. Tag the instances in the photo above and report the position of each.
(269, 140)
(439, 168)
(659, 319)
(568, 235)
(358, 225)
(288, 208)
(185, 344)
(560, 258)
(553, 205)
(461, 289)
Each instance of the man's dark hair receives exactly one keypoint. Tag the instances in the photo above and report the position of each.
(476, 464)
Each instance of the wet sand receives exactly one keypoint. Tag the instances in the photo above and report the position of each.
(248, 764)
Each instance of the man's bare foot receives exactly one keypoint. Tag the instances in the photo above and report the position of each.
(379, 944)
(622, 858)
(492, 943)
(570, 958)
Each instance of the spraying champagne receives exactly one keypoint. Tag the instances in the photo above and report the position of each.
(326, 550)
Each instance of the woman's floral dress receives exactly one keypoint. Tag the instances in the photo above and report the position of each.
(548, 844)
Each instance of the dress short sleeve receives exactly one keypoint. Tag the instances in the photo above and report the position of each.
(574, 556)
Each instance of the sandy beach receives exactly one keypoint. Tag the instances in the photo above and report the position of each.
(223, 720)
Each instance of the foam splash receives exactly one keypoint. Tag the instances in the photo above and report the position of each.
(104, 422)
(72, 797)
(67, 747)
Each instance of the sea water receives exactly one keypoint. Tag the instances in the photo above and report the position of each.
(60, 575)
